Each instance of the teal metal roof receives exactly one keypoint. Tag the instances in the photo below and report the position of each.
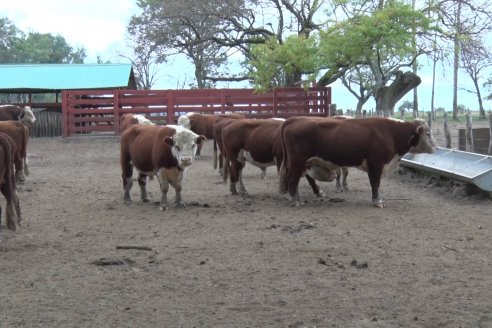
(46, 77)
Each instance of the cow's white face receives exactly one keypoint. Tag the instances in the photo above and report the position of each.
(183, 145)
(184, 121)
(27, 115)
(426, 142)
(142, 119)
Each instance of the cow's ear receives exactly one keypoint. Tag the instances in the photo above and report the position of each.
(200, 139)
(414, 139)
(419, 129)
(169, 141)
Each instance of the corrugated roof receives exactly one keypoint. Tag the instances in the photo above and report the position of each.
(66, 76)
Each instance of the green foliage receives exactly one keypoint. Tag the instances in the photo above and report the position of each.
(385, 36)
(406, 106)
(38, 48)
(271, 59)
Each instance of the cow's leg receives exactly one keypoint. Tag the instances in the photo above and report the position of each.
(293, 176)
(263, 173)
(142, 183)
(164, 185)
(126, 175)
(236, 173)
(375, 173)
(19, 172)
(17, 207)
(199, 149)
(221, 162)
(175, 179)
(312, 182)
(342, 173)
(10, 220)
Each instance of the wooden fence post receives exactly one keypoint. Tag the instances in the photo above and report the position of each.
(333, 110)
(429, 119)
(469, 133)
(446, 131)
(116, 111)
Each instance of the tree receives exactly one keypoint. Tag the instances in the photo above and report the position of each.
(405, 106)
(213, 34)
(373, 40)
(461, 20)
(475, 58)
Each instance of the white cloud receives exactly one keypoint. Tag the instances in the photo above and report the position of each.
(98, 26)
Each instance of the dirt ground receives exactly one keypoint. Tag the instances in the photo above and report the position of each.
(230, 261)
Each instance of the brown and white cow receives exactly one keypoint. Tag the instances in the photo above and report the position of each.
(20, 134)
(203, 124)
(16, 113)
(258, 142)
(374, 145)
(165, 151)
(130, 119)
(7, 182)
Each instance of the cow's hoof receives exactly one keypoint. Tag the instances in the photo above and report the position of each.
(180, 205)
(163, 208)
(379, 203)
(127, 201)
(145, 200)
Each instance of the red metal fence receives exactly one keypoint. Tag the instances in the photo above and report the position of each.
(86, 111)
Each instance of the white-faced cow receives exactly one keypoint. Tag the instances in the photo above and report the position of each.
(16, 113)
(374, 145)
(20, 135)
(130, 119)
(165, 151)
(258, 142)
(203, 124)
(7, 182)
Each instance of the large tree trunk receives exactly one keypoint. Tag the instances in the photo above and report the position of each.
(387, 96)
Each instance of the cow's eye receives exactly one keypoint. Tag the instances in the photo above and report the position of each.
(178, 148)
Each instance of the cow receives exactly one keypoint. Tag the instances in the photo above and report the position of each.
(165, 151)
(16, 113)
(203, 124)
(258, 142)
(130, 119)
(374, 145)
(20, 134)
(7, 182)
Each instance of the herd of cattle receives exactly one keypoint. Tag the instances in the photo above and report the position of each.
(318, 148)
(14, 136)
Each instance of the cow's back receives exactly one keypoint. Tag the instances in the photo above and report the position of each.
(9, 112)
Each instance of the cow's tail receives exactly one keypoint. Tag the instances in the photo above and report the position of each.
(215, 155)
(283, 167)
(226, 166)
(24, 150)
(11, 221)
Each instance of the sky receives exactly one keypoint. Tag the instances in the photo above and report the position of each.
(99, 26)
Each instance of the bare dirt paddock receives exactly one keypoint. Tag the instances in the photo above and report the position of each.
(231, 261)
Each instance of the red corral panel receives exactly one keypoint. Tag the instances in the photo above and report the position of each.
(92, 112)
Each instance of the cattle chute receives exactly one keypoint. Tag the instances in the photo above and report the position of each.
(454, 164)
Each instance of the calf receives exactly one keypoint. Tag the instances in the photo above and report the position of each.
(130, 119)
(7, 182)
(20, 134)
(16, 113)
(374, 145)
(165, 151)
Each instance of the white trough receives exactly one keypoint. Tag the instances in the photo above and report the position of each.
(454, 164)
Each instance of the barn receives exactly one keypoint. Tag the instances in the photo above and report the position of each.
(40, 86)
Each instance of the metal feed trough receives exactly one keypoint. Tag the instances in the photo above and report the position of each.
(454, 164)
